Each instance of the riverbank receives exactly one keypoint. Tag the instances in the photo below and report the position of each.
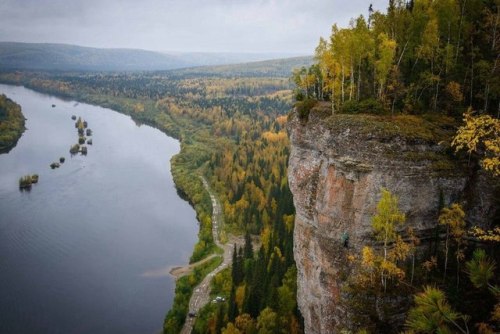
(178, 272)
(201, 294)
(12, 123)
(196, 294)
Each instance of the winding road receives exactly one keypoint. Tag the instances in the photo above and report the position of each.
(201, 294)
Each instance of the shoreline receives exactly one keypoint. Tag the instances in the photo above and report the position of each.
(179, 271)
(201, 293)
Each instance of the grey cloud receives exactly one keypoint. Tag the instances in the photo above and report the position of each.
(291, 26)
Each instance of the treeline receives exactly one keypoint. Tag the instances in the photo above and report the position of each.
(156, 86)
(420, 56)
(11, 123)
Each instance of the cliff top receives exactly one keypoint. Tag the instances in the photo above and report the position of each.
(427, 128)
(422, 140)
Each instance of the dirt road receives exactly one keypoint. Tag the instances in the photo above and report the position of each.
(201, 294)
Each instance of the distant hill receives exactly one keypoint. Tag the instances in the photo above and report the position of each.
(63, 57)
(267, 68)
(226, 58)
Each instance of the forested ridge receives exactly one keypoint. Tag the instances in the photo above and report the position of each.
(67, 57)
(232, 131)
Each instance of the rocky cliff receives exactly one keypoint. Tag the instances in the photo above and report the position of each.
(337, 167)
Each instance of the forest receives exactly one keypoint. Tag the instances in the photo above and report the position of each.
(420, 56)
(232, 131)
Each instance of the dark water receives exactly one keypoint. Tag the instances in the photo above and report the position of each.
(86, 249)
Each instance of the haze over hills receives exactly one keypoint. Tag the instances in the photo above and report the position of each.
(266, 68)
(63, 57)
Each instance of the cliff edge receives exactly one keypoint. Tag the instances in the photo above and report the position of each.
(338, 165)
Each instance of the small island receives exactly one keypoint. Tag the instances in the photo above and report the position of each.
(78, 123)
(81, 126)
(27, 181)
(74, 149)
(11, 123)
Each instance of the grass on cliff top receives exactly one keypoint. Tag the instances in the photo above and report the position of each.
(428, 128)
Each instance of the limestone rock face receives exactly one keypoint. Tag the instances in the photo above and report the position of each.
(336, 170)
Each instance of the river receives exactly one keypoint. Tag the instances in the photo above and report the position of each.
(88, 248)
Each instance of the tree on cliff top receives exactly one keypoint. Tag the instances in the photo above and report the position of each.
(419, 56)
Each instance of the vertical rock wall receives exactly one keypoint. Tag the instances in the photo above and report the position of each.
(336, 170)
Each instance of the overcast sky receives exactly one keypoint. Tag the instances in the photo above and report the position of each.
(282, 26)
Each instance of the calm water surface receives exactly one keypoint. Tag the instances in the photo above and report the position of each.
(85, 251)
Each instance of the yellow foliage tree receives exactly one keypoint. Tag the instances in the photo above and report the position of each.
(384, 225)
(454, 220)
(488, 235)
(480, 135)
(246, 323)
(230, 329)
(240, 296)
(386, 51)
